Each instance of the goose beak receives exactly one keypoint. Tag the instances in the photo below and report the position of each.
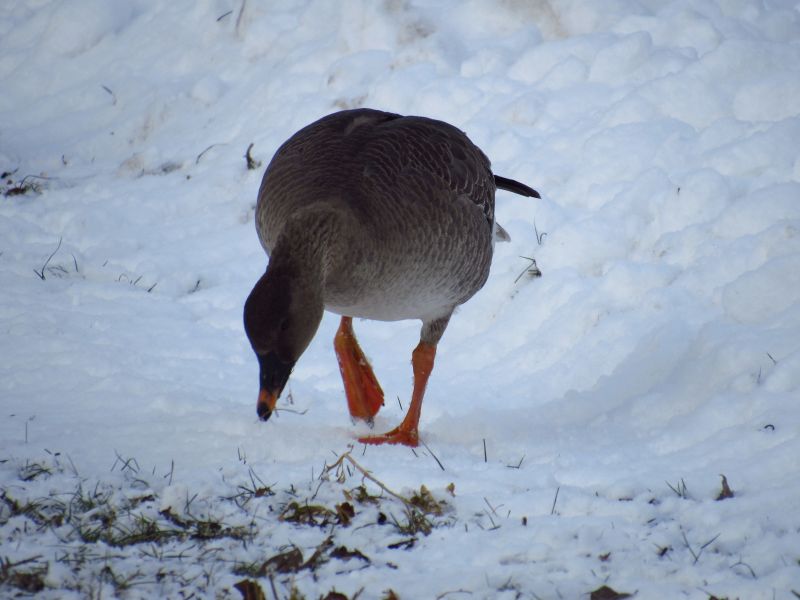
(266, 403)
(274, 373)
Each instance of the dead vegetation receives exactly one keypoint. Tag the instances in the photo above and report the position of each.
(252, 163)
(123, 533)
(11, 186)
(607, 593)
(101, 528)
(726, 492)
(26, 575)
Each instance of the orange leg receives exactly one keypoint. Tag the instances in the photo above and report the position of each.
(364, 393)
(406, 433)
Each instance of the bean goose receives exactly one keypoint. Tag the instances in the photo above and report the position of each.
(372, 215)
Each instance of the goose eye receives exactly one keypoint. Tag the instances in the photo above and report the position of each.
(284, 325)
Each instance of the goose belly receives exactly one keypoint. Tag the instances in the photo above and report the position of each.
(416, 283)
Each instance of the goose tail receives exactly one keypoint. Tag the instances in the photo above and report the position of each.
(509, 185)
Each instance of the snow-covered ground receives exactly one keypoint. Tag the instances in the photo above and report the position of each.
(584, 418)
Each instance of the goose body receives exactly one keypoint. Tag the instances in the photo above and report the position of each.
(372, 215)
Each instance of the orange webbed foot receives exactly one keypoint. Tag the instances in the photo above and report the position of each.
(407, 432)
(364, 393)
(395, 436)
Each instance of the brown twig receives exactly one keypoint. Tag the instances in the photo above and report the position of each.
(532, 269)
(49, 258)
(445, 594)
(252, 163)
(438, 462)
(539, 236)
(518, 465)
(199, 156)
(112, 94)
(339, 464)
(555, 499)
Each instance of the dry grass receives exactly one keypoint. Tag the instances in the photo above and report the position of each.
(119, 534)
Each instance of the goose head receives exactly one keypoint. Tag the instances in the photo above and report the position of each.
(281, 316)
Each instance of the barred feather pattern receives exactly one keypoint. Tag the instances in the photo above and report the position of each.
(401, 208)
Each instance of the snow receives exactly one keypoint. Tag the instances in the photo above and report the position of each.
(660, 348)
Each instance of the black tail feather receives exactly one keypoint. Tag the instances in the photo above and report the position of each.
(516, 187)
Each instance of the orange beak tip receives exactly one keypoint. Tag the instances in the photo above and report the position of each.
(266, 404)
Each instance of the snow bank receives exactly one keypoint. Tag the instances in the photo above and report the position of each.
(658, 349)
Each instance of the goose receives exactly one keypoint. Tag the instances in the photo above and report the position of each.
(372, 215)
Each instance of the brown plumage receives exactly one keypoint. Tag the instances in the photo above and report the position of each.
(374, 215)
